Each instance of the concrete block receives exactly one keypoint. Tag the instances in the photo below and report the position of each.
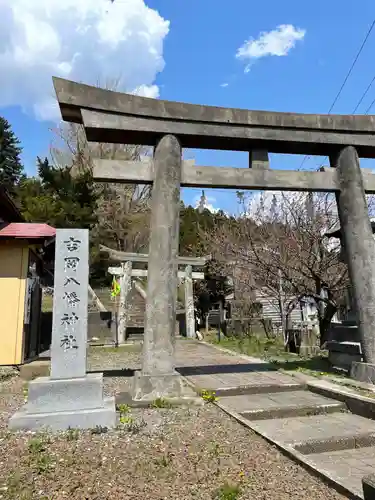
(35, 369)
(46, 394)
(344, 347)
(364, 372)
(343, 360)
(368, 484)
(105, 416)
(151, 387)
(343, 333)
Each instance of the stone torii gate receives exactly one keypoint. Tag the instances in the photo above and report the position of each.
(170, 126)
(126, 273)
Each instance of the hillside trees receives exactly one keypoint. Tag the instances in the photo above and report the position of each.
(286, 253)
(11, 168)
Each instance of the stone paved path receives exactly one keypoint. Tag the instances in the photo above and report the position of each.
(317, 430)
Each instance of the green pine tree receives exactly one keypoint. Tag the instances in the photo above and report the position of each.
(11, 169)
(59, 198)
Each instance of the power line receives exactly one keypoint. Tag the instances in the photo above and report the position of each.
(352, 66)
(371, 105)
(357, 106)
(364, 95)
(346, 79)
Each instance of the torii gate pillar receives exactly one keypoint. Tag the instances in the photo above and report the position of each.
(359, 243)
(158, 377)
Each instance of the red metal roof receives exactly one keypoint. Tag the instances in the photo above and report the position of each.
(26, 230)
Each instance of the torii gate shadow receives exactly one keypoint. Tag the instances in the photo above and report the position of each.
(314, 364)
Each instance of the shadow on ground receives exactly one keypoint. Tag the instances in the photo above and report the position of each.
(126, 372)
(317, 364)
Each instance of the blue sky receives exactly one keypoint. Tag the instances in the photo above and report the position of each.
(198, 41)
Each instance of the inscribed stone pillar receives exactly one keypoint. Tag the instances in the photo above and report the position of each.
(359, 243)
(158, 377)
(189, 303)
(69, 397)
(69, 329)
(125, 286)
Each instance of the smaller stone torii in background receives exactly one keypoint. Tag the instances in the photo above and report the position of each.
(126, 272)
(168, 127)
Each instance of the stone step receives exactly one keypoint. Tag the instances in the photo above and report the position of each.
(135, 336)
(343, 360)
(343, 333)
(324, 445)
(257, 389)
(349, 322)
(344, 347)
(281, 405)
(322, 433)
(346, 467)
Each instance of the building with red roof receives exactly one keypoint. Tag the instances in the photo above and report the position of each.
(23, 246)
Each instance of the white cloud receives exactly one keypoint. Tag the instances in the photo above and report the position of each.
(277, 42)
(224, 84)
(147, 91)
(82, 40)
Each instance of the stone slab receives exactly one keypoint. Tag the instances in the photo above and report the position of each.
(324, 445)
(74, 394)
(257, 404)
(332, 476)
(317, 427)
(368, 485)
(343, 360)
(254, 382)
(63, 420)
(340, 427)
(357, 403)
(151, 387)
(348, 467)
(364, 372)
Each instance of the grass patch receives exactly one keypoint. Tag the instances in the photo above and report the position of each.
(257, 345)
(161, 403)
(40, 460)
(128, 422)
(273, 351)
(227, 492)
(47, 303)
(208, 396)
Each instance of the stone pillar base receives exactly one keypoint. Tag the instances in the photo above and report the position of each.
(363, 372)
(307, 350)
(368, 484)
(151, 387)
(59, 404)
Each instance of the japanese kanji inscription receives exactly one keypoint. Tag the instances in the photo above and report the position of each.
(69, 335)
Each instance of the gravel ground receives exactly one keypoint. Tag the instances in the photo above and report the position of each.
(181, 453)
